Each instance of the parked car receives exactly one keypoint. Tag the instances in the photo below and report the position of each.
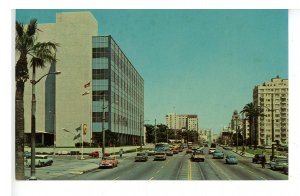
(27, 154)
(40, 161)
(258, 158)
(108, 161)
(231, 159)
(218, 154)
(227, 148)
(160, 155)
(285, 169)
(141, 156)
(94, 154)
(278, 163)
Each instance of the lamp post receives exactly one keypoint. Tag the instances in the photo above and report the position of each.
(33, 128)
(155, 127)
(236, 131)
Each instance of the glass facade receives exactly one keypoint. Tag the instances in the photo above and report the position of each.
(119, 89)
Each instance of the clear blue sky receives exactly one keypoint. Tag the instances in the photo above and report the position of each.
(203, 62)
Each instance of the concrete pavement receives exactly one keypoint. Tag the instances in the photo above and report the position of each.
(69, 164)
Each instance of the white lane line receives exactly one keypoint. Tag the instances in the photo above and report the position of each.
(151, 178)
(221, 171)
(250, 171)
(162, 166)
(117, 178)
(157, 172)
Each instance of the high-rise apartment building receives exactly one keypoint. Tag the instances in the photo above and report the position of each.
(182, 121)
(92, 67)
(272, 98)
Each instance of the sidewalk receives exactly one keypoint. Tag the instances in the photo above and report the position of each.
(68, 164)
(246, 154)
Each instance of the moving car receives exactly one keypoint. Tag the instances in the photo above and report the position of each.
(198, 155)
(27, 154)
(231, 159)
(278, 163)
(189, 151)
(169, 153)
(258, 158)
(175, 151)
(160, 156)
(211, 150)
(218, 154)
(108, 162)
(141, 156)
(151, 152)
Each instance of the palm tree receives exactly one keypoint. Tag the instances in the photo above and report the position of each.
(248, 111)
(39, 53)
(257, 112)
(252, 115)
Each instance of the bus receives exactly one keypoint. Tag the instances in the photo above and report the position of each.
(161, 147)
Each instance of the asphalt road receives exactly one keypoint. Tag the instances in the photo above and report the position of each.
(179, 167)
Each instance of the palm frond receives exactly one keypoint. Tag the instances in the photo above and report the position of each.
(32, 27)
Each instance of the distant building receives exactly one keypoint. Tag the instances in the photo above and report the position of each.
(272, 95)
(182, 121)
(206, 135)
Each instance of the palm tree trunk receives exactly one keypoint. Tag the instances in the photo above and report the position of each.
(21, 77)
(19, 131)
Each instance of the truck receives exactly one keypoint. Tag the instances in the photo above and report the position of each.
(198, 155)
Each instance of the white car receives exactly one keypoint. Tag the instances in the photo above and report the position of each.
(40, 160)
(278, 163)
(211, 150)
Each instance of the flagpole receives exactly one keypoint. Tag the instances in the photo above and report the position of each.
(81, 141)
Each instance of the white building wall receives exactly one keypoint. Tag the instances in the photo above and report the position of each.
(73, 31)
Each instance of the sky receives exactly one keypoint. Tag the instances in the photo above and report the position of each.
(203, 62)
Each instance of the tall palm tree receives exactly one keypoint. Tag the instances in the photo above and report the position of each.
(257, 112)
(39, 54)
(248, 110)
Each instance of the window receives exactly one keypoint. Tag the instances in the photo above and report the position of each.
(98, 95)
(100, 74)
(101, 52)
(97, 116)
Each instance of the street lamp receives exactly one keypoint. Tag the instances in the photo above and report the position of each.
(236, 131)
(81, 127)
(33, 128)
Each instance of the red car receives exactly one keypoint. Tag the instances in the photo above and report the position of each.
(108, 162)
(189, 151)
(94, 154)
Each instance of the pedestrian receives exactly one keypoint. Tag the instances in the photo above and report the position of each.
(263, 161)
(121, 152)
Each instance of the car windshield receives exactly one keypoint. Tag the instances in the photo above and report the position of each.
(160, 153)
(230, 156)
(140, 154)
(108, 158)
(218, 151)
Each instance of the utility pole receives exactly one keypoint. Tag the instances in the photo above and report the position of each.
(155, 132)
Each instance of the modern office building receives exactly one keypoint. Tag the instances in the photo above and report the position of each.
(92, 67)
(272, 97)
(180, 121)
(122, 87)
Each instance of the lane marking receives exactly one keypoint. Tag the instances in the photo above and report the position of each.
(157, 172)
(221, 171)
(117, 178)
(151, 178)
(189, 170)
(162, 166)
(250, 171)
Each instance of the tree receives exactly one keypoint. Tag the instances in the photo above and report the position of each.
(252, 115)
(39, 53)
(248, 111)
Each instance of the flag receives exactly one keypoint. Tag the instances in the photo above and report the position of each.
(87, 85)
(77, 136)
(86, 92)
(78, 128)
(84, 127)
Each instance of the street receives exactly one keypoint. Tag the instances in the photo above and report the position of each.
(176, 167)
